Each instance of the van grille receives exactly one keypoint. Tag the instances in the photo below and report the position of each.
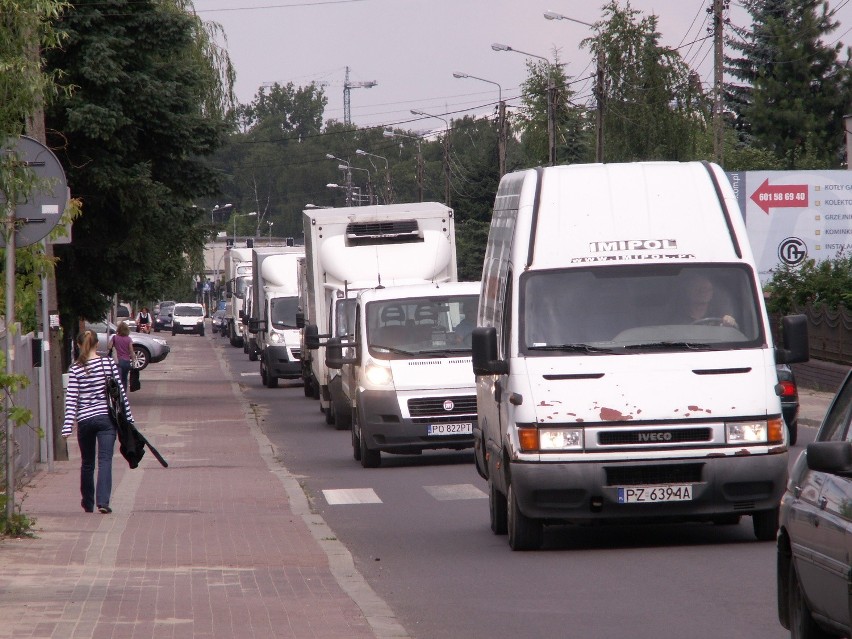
(653, 474)
(387, 232)
(431, 409)
(644, 437)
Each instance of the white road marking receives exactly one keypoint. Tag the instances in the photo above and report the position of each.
(455, 491)
(351, 496)
(255, 374)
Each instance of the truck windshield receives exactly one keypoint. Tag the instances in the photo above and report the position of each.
(241, 285)
(632, 309)
(344, 317)
(421, 327)
(282, 311)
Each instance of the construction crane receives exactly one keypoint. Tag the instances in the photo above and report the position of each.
(347, 85)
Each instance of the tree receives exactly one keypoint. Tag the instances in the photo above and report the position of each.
(654, 106)
(793, 91)
(150, 96)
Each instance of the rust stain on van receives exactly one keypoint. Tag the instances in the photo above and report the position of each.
(698, 409)
(612, 415)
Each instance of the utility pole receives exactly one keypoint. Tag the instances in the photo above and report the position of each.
(501, 137)
(718, 66)
(600, 96)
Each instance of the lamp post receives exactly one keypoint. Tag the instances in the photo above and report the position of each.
(216, 208)
(501, 120)
(235, 216)
(600, 93)
(388, 188)
(348, 176)
(389, 133)
(447, 172)
(551, 89)
(349, 189)
(369, 183)
(270, 231)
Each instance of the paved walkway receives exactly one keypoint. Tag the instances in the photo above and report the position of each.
(220, 544)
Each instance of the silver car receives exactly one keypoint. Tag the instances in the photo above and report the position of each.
(148, 349)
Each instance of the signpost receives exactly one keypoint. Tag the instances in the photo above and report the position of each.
(26, 223)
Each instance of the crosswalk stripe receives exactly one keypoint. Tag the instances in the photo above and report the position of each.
(351, 496)
(455, 491)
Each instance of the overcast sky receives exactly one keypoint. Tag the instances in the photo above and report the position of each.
(412, 47)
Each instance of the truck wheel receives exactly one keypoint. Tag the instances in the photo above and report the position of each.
(262, 374)
(252, 355)
(329, 414)
(369, 458)
(765, 524)
(802, 624)
(524, 533)
(497, 510)
(308, 388)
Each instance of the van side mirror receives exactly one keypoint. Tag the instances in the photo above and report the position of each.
(484, 347)
(795, 338)
(334, 354)
(257, 326)
(229, 290)
(312, 341)
(300, 319)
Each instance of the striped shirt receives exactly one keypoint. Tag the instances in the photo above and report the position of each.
(85, 396)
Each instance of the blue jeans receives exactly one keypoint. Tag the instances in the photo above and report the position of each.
(96, 437)
(124, 372)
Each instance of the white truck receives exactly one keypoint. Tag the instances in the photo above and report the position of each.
(406, 369)
(238, 270)
(354, 248)
(624, 360)
(275, 302)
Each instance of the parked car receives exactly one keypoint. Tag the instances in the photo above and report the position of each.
(789, 393)
(188, 318)
(148, 349)
(122, 314)
(814, 547)
(218, 321)
(163, 316)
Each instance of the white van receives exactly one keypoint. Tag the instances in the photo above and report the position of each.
(624, 359)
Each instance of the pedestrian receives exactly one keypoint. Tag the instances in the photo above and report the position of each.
(123, 345)
(86, 404)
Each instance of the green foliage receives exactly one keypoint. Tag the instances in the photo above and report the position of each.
(812, 283)
(654, 107)
(20, 525)
(794, 91)
(149, 100)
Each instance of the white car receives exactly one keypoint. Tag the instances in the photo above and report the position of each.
(188, 318)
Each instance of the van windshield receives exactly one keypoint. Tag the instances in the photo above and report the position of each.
(283, 311)
(634, 309)
(421, 327)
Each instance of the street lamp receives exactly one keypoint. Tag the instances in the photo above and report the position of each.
(369, 182)
(551, 89)
(447, 174)
(216, 208)
(270, 230)
(388, 189)
(348, 176)
(390, 133)
(501, 120)
(235, 216)
(600, 94)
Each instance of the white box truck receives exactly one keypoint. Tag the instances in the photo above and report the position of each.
(238, 273)
(275, 302)
(406, 370)
(624, 360)
(353, 248)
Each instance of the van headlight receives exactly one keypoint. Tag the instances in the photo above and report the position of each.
(378, 374)
(757, 432)
(275, 338)
(533, 439)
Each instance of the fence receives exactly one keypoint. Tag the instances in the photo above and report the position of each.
(29, 443)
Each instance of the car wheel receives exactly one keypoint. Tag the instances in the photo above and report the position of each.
(201, 333)
(524, 533)
(252, 356)
(802, 624)
(262, 374)
(142, 356)
(369, 458)
(765, 524)
(497, 510)
(271, 381)
(308, 389)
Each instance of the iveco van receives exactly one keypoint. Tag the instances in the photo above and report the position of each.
(624, 360)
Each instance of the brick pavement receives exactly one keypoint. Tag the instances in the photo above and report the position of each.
(220, 544)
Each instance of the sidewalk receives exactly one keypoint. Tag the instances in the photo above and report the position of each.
(220, 544)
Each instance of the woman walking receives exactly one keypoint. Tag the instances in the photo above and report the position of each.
(123, 345)
(86, 404)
